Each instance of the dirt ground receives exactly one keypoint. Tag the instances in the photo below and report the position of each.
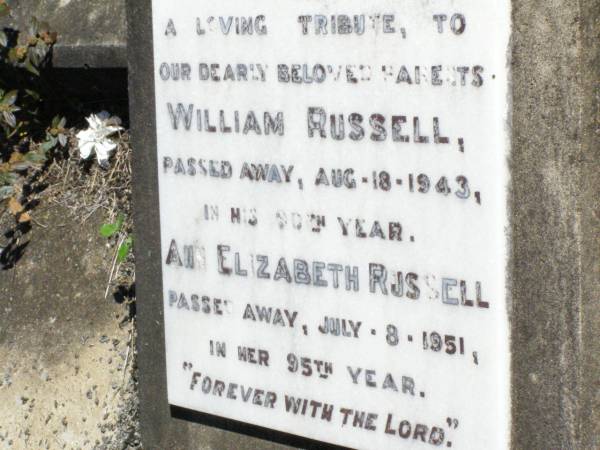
(67, 360)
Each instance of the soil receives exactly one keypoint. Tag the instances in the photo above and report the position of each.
(67, 358)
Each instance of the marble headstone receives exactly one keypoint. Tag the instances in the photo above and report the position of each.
(332, 182)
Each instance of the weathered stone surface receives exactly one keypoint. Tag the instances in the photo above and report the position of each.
(554, 225)
(91, 32)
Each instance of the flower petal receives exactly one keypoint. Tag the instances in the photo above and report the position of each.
(104, 149)
(86, 149)
(85, 135)
(91, 120)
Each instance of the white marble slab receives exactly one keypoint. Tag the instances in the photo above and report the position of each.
(284, 237)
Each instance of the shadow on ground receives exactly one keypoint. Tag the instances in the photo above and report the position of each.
(66, 351)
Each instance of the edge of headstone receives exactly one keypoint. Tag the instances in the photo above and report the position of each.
(154, 412)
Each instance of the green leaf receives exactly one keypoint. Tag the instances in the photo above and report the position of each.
(12, 55)
(7, 178)
(29, 67)
(3, 38)
(33, 57)
(33, 94)
(120, 220)
(49, 144)
(22, 166)
(10, 98)
(124, 249)
(35, 157)
(10, 119)
(108, 229)
(6, 191)
(4, 9)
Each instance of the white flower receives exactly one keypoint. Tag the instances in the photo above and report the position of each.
(96, 139)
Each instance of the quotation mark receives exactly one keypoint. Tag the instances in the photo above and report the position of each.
(452, 423)
(187, 365)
